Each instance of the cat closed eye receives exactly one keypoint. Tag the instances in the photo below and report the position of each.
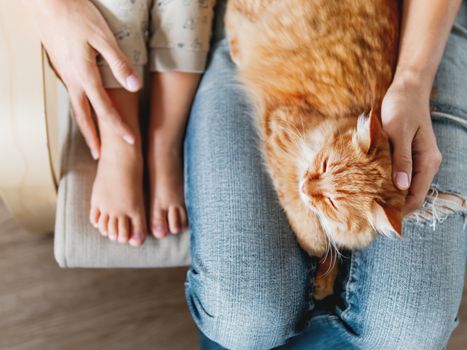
(324, 166)
(332, 203)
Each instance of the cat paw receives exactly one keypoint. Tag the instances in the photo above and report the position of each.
(324, 287)
(325, 277)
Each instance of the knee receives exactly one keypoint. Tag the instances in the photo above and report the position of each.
(418, 329)
(234, 321)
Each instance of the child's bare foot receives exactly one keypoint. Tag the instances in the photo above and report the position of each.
(171, 97)
(167, 204)
(117, 202)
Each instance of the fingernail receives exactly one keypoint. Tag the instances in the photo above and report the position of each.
(402, 180)
(132, 82)
(95, 154)
(129, 139)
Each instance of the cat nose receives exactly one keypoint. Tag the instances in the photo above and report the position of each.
(310, 187)
(303, 187)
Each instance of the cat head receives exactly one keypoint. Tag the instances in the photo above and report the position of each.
(348, 184)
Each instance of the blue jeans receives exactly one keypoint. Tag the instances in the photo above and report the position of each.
(249, 283)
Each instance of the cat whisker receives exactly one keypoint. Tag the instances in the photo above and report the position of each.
(297, 135)
(388, 234)
(334, 258)
(297, 130)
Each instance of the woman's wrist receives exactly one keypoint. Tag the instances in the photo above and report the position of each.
(414, 78)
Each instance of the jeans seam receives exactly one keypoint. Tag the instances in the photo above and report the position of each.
(444, 108)
(349, 285)
(436, 115)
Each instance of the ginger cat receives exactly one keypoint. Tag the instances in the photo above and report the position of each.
(317, 71)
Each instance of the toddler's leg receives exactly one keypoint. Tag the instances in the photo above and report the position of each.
(180, 32)
(171, 97)
(117, 202)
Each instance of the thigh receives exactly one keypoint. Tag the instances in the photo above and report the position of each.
(247, 285)
(406, 294)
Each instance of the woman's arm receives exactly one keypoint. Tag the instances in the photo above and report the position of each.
(405, 110)
(73, 33)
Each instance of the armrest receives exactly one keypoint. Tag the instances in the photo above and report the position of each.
(30, 105)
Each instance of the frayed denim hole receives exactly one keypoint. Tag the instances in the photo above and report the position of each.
(438, 207)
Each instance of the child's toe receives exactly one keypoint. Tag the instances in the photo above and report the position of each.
(159, 227)
(183, 218)
(113, 227)
(103, 224)
(138, 232)
(174, 220)
(123, 229)
(94, 216)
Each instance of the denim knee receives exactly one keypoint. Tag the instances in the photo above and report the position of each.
(261, 322)
(429, 330)
(406, 294)
(247, 285)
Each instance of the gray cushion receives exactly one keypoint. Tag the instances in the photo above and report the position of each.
(78, 243)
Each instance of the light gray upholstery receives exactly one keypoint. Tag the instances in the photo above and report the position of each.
(78, 243)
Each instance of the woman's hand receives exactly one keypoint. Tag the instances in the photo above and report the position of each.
(407, 121)
(73, 33)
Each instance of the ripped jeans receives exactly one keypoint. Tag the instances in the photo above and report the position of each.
(249, 283)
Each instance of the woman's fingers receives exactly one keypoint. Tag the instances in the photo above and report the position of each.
(402, 161)
(74, 58)
(118, 62)
(102, 104)
(401, 134)
(426, 165)
(83, 117)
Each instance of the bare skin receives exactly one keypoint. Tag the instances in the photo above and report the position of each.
(171, 97)
(117, 202)
(405, 119)
(405, 110)
(74, 61)
(424, 34)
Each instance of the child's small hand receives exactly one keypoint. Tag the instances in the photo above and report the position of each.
(73, 33)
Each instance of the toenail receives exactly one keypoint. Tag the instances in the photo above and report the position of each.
(112, 238)
(159, 231)
(134, 242)
(138, 237)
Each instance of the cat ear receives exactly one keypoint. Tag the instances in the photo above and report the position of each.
(386, 219)
(369, 131)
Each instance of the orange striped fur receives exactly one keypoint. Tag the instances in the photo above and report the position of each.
(311, 68)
